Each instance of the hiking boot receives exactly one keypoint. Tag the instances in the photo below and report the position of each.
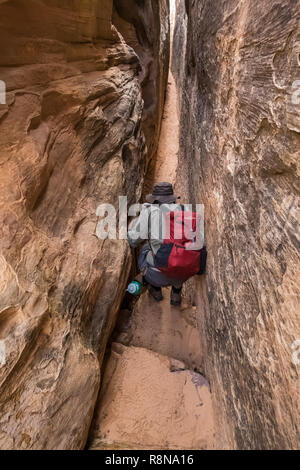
(176, 297)
(155, 293)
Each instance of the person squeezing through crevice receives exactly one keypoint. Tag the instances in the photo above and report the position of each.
(164, 261)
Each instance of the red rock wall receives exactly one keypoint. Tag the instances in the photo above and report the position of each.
(240, 144)
(71, 138)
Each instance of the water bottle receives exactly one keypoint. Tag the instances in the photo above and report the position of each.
(134, 288)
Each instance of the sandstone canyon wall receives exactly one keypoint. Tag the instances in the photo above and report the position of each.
(240, 141)
(84, 105)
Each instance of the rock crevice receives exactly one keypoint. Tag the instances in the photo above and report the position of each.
(86, 83)
(239, 146)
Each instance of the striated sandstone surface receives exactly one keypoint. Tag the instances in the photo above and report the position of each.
(240, 148)
(159, 327)
(151, 401)
(71, 138)
(163, 165)
(138, 23)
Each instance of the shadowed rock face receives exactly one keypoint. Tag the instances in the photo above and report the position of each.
(240, 143)
(137, 22)
(71, 138)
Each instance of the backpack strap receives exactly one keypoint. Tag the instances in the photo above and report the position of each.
(203, 260)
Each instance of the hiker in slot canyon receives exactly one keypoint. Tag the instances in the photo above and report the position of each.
(149, 100)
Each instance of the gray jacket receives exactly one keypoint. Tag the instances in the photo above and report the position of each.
(150, 227)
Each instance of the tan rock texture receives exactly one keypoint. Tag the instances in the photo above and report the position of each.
(240, 145)
(161, 328)
(71, 138)
(153, 395)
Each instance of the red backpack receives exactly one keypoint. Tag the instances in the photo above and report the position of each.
(173, 258)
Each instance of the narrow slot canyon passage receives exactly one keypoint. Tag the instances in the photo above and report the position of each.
(100, 99)
(152, 394)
